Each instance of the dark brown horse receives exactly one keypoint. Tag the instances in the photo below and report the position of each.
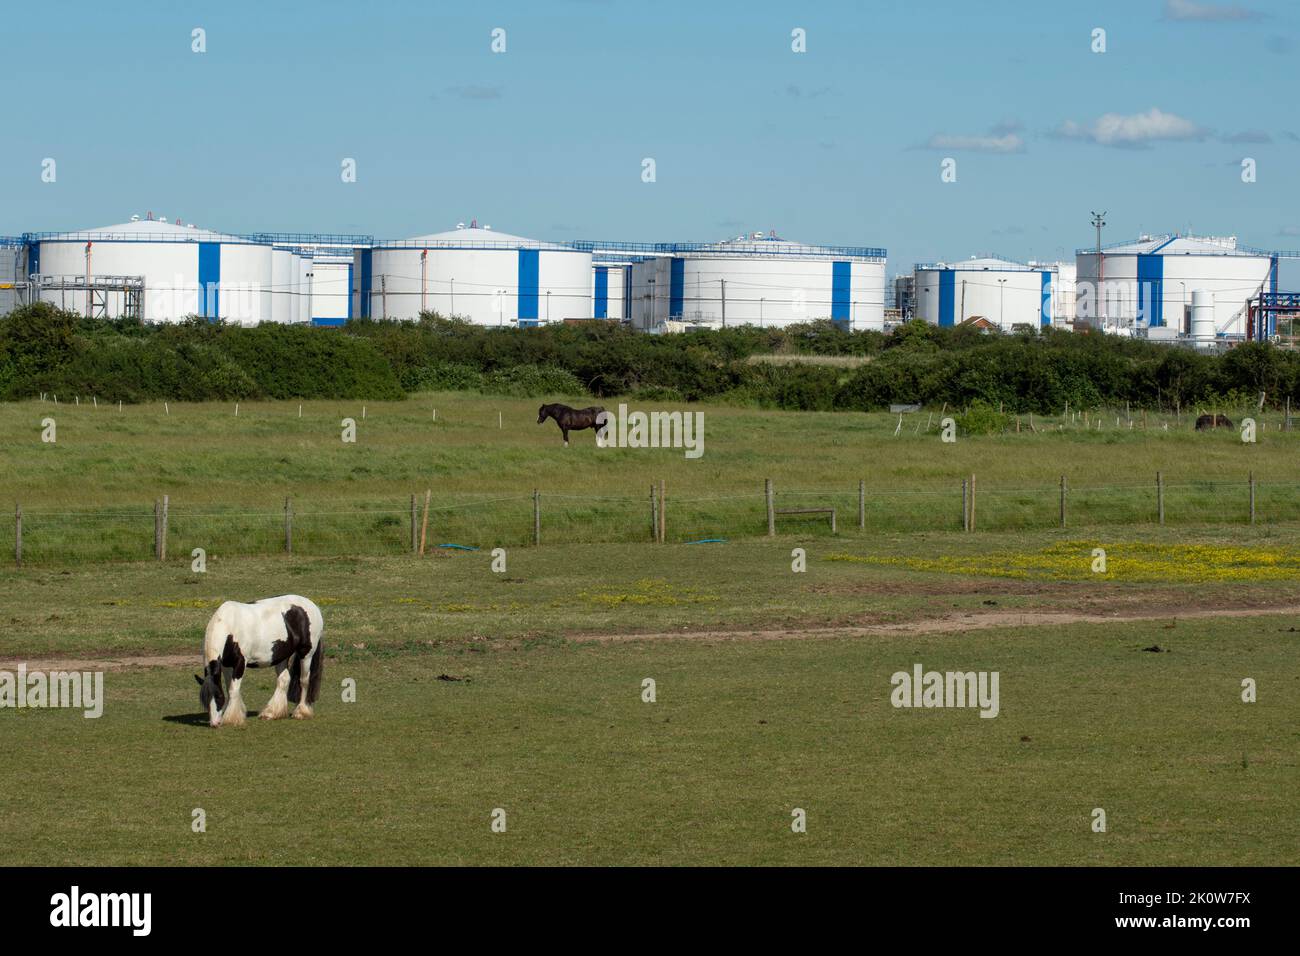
(569, 419)
(1206, 422)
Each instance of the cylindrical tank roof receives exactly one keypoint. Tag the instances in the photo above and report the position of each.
(472, 237)
(141, 230)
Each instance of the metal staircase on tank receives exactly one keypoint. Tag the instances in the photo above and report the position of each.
(98, 289)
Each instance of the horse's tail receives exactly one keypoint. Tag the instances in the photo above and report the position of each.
(317, 669)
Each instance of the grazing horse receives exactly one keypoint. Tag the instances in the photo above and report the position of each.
(283, 632)
(570, 419)
(1213, 421)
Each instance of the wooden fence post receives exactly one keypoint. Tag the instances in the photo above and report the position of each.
(663, 508)
(1252, 497)
(162, 551)
(1160, 498)
(1064, 488)
(771, 512)
(288, 525)
(862, 503)
(424, 524)
(537, 517)
(415, 543)
(654, 514)
(972, 502)
(18, 534)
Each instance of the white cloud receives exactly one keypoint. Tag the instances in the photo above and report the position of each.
(1002, 138)
(1191, 10)
(1135, 131)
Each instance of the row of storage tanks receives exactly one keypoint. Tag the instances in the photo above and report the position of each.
(493, 278)
(486, 276)
(1159, 286)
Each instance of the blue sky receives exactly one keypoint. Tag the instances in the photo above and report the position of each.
(841, 144)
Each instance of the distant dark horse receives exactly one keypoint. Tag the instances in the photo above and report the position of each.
(1206, 422)
(569, 419)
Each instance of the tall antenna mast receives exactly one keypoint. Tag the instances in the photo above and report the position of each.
(1099, 220)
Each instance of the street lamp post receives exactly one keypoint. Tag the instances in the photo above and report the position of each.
(1002, 289)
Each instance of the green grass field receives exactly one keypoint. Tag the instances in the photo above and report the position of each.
(90, 495)
(522, 690)
(741, 733)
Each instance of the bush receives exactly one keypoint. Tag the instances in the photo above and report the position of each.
(442, 377)
(531, 381)
(981, 418)
(44, 349)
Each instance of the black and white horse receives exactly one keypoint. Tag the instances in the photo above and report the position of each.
(283, 632)
(570, 419)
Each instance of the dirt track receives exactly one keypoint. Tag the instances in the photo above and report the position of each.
(971, 621)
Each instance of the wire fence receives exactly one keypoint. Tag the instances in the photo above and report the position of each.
(172, 531)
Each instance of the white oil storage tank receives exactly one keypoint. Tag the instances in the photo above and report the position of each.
(283, 285)
(1003, 292)
(13, 257)
(487, 277)
(611, 287)
(1203, 328)
(1146, 283)
(184, 270)
(754, 280)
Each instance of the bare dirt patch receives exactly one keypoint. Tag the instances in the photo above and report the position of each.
(102, 664)
(954, 623)
(950, 623)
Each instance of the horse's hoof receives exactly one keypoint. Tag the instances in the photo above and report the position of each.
(302, 713)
